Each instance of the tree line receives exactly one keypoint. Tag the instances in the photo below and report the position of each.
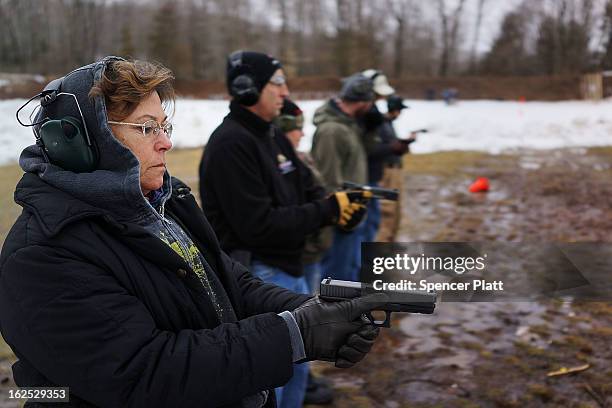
(405, 38)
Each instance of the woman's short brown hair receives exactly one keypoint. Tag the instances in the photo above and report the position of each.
(125, 84)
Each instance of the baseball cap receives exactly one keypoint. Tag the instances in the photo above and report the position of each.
(380, 82)
(395, 103)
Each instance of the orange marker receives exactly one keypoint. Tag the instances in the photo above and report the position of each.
(480, 185)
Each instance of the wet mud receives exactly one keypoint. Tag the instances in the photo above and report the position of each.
(496, 354)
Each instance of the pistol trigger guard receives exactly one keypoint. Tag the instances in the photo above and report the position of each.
(367, 318)
(387, 322)
(378, 323)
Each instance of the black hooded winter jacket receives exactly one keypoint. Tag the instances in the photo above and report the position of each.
(91, 300)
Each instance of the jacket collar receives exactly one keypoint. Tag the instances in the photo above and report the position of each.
(55, 208)
(249, 120)
(52, 207)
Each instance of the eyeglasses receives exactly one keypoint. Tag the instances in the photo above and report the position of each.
(278, 80)
(150, 128)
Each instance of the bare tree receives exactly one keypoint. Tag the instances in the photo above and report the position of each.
(606, 57)
(286, 51)
(564, 35)
(508, 55)
(479, 16)
(197, 34)
(343, 36)
(450, 29)
(312, 37)
(399, 11)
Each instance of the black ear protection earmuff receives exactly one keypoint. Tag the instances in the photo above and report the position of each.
(242, 88)
(64, 142)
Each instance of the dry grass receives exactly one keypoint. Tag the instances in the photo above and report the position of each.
(5, 351)
(183, 163)
(441, 163)
(603, 150)
(9, 176)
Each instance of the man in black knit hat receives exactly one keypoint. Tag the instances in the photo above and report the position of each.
(260, 198)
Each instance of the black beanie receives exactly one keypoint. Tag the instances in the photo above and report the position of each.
(260, 67)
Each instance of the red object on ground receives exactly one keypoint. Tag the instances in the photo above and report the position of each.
(480, 185)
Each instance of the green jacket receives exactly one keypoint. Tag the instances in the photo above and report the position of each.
(319, 242)
(337, 147)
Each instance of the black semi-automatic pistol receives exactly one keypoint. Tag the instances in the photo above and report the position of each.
(377, 192)
(407, 301)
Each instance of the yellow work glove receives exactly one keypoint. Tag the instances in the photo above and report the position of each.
(352, 208)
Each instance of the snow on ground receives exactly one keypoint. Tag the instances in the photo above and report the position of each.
(490, 126)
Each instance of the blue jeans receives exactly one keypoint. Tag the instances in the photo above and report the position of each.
(343, 260)
(373, 221)
(312, 273)
(291, 395)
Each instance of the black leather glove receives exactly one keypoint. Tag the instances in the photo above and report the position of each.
(351, 208)
(327, 326)
(357, 346)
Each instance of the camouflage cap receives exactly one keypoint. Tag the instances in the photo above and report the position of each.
(291, 117)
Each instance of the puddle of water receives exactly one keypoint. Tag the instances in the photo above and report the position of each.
(527, 165)
(419, 392)
(470, 328)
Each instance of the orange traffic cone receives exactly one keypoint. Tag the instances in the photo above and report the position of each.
(480, 185)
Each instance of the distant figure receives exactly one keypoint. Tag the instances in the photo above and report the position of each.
(450, 95)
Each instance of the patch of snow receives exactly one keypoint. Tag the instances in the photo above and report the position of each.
(490, 126)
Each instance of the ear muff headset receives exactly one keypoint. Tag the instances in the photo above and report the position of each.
(242, 88)
(64, 142)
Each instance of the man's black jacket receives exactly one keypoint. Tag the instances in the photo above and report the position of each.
(114, 313)
(257, 194)
(378, 136)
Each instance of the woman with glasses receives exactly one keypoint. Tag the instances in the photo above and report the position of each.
(112, 282)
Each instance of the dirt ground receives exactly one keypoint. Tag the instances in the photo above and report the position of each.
(486, 354)
(496, 354)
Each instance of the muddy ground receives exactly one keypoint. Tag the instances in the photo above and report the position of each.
(496, 354)
(488, 354)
